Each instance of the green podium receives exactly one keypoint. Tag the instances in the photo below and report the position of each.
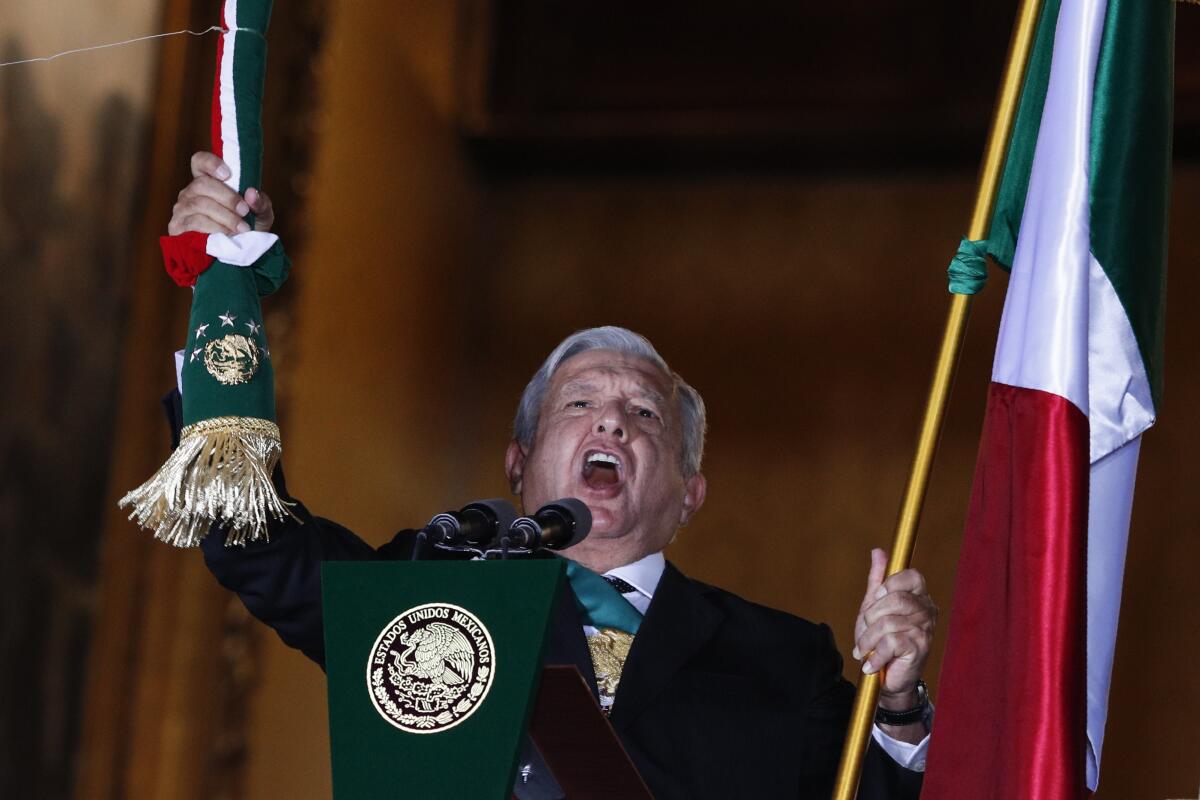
(434, 670)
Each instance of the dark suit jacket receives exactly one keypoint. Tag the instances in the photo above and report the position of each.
(720, 697)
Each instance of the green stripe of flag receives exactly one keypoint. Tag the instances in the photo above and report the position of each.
(249, 73)
(1131, 166)
(254, 15)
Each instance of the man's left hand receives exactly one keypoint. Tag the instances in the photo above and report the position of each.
(894, 631)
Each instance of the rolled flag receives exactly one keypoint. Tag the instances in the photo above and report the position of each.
(221, 472)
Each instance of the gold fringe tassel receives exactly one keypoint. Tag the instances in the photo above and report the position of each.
(219, 475)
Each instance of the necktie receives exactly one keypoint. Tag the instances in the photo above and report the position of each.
(620, 585)
(603, 607)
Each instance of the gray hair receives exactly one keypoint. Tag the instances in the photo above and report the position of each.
(622, 340)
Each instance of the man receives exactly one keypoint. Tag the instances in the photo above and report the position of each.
(717, 697)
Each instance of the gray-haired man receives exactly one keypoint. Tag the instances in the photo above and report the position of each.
(719, 697)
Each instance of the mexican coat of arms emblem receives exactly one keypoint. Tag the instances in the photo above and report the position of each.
(431, 668)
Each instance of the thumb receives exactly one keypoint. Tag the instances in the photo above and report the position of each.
(875, 576)
(260, 204)
(874, 581)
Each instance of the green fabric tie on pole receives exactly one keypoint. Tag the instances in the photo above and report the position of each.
(601, 605)
(968, 268)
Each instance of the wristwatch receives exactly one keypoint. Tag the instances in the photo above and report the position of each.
(909, 716)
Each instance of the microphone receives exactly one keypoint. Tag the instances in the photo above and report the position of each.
(474, 525)
(555, 526)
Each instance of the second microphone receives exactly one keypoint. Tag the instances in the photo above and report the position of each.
(555, 526)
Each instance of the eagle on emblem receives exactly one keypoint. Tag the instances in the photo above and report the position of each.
(438, 653)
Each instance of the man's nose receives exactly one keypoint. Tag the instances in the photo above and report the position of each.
(612, 421)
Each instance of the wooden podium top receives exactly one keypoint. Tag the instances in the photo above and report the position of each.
(577, 743)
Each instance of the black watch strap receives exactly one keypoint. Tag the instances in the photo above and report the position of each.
(909, 716)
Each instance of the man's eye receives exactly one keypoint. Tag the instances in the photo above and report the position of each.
(646, 413)
(577, 404)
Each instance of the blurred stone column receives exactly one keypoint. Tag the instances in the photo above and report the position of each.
(173, 657)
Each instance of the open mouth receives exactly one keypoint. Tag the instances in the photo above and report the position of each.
(601, 470)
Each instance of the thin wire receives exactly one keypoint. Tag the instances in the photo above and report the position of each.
(211, 29)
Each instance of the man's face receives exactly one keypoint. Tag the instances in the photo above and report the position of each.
(610, 434)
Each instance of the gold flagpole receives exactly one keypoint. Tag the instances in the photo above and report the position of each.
(863, 714)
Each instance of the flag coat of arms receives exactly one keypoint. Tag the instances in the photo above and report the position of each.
(1081, 220)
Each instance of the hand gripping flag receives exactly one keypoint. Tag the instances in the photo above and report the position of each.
(1081, 218)
(221, 472)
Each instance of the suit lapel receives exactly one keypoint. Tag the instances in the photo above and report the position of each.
(678, 623)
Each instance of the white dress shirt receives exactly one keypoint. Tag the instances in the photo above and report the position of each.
(644, 575)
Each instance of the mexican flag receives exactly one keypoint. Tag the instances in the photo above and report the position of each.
(1081, 220)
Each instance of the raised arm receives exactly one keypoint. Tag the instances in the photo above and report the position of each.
(279, 580)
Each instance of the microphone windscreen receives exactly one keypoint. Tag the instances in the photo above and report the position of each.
(575, 511)
(500, 512)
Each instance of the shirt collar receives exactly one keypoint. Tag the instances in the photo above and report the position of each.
(643, 574)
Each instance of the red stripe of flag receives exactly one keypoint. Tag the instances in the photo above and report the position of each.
(1017, 640)
(217, 145)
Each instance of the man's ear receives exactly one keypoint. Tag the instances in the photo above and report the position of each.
(695, 489)
(514, 465)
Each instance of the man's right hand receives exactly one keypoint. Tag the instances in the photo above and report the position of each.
(207, 205)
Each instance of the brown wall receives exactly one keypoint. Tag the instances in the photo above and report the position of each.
(806, 309)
